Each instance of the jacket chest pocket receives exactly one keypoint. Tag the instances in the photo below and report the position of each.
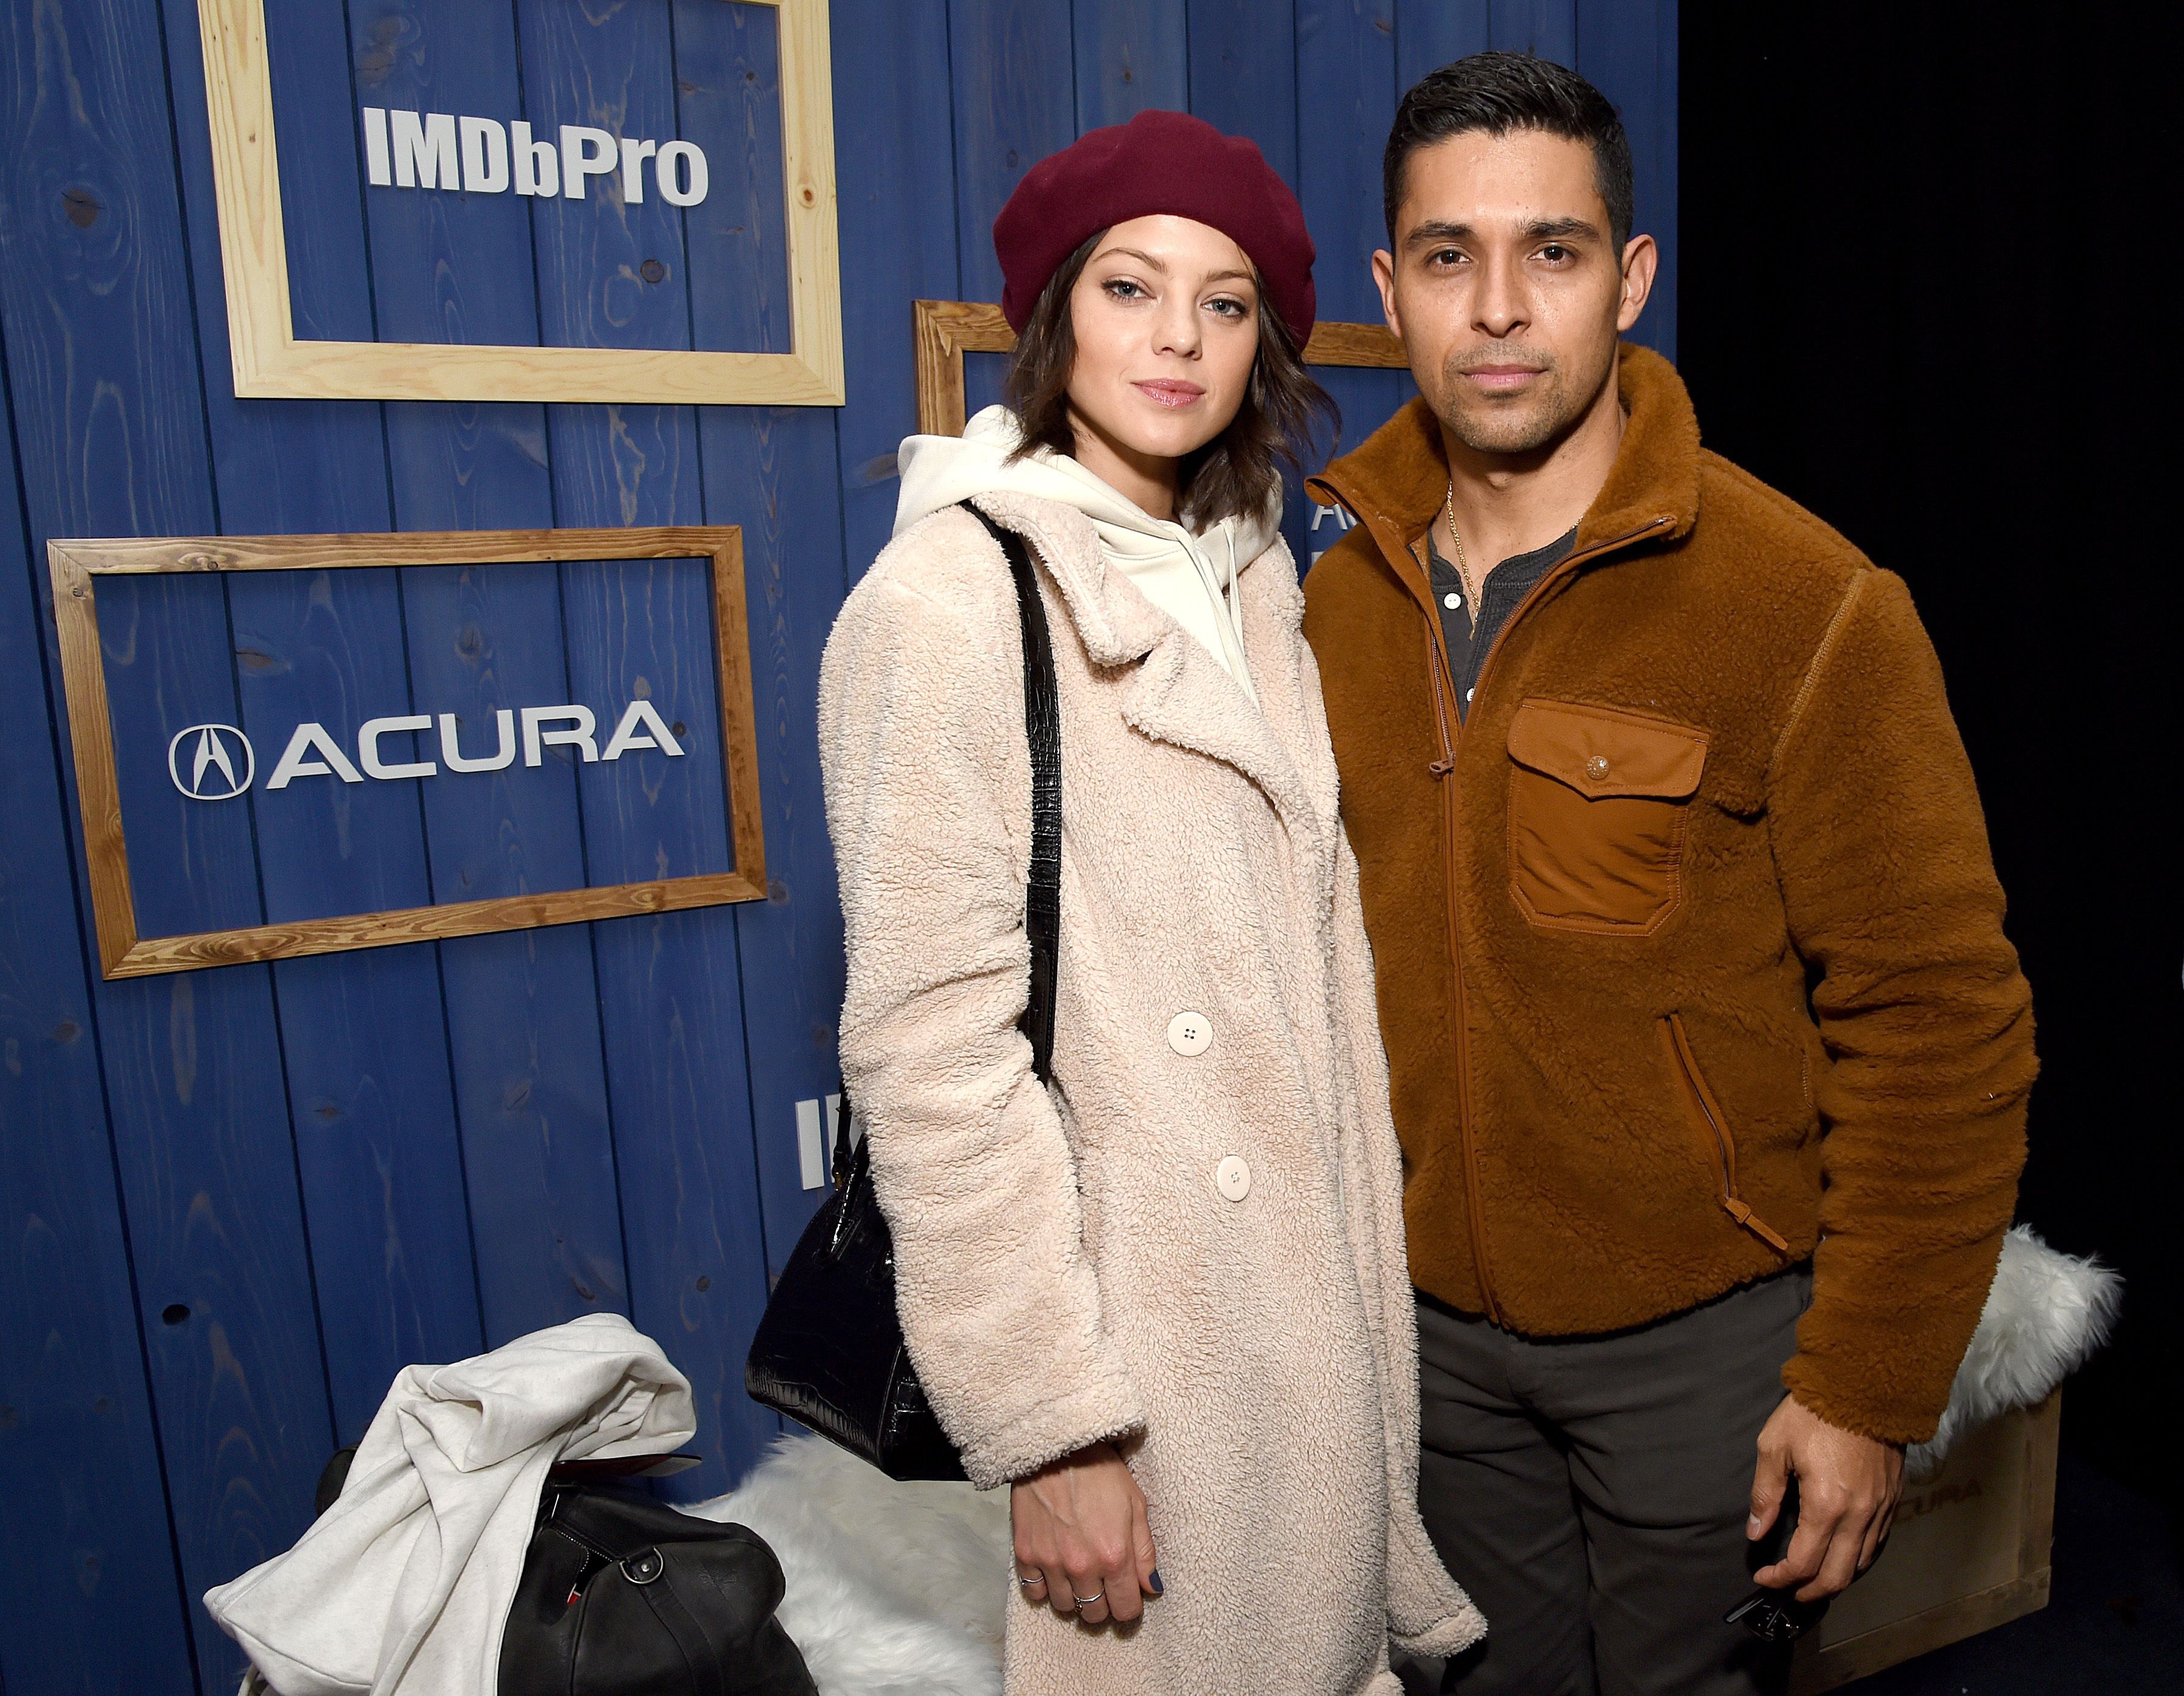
(1599, 801)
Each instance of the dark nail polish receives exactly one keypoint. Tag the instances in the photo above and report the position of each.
(1153, 1584)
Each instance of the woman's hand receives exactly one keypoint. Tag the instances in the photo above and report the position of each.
(1083, 1541)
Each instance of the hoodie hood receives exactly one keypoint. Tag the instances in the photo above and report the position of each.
(1189, 576)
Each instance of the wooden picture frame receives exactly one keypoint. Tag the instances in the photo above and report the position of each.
(1970, 1551)
(944, 331)
(270, 362)
(75, 566)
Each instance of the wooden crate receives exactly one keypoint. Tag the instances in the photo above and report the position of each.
(1968, 1551)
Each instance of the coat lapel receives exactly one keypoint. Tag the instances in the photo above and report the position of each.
(1182, 695)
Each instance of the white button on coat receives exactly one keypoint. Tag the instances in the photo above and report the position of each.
(1233, 1178)
(1191, 1034)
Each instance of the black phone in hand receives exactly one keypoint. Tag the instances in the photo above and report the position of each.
(1776, 1615)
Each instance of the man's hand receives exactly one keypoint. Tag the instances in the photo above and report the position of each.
(1084, 1545)
(1848, 1489)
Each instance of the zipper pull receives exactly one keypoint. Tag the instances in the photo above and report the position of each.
(1441, 768)
(1737, 1210)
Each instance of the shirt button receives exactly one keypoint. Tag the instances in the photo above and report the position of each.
(1191, 1034)
(1468, 695)
(1596, 767)
(1454, 603)
(1233, 1178)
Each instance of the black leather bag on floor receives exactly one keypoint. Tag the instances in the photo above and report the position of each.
(623, 1596)
(829, 1349)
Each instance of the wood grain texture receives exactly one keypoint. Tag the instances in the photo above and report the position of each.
(1628, 47)
(363, 1044)
(671, 1002)
(1016, 101)
(898, 208)
(1131, 55)
(269, 361)
(774, 467)
(79, 1459)
(736, 259)
(1345, 88)
(719, 620)
(524, 1042)
(1545, 28)
(1968, 1615)
(102, 371)
(1244, 74)
(1433, 33)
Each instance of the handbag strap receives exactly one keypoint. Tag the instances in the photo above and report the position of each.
(1042, 726)
(1043, 892)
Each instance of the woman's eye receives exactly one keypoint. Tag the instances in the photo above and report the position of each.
(1229, 308)
(1123, 289)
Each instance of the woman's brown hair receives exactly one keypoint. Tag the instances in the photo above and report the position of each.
(1238, 471)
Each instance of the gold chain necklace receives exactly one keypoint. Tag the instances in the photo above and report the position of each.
(1462, 565)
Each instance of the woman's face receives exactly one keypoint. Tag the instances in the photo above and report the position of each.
(1166, 315)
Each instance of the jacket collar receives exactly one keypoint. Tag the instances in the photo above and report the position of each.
(1394, 482)
(1182, 694)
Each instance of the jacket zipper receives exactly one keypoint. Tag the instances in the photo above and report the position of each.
(1452, 822)
(1679, 1046)
(1442, 684)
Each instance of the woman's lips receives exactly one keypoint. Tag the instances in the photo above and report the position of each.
(1166, 393)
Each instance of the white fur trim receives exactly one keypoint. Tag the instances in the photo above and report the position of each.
(893, 1589)
(2045, 1315)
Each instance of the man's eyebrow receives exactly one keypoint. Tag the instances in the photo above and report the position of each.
(1543, 229)
(1436, 230)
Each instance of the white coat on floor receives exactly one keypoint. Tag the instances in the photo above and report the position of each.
(402, 1587)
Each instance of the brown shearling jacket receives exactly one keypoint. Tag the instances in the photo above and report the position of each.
(1690, 955)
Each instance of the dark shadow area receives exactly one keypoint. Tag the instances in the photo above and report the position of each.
(1928, 290)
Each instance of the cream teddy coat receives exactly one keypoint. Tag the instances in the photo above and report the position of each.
(1194, 1246)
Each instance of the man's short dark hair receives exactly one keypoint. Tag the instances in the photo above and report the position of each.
(1498, 92)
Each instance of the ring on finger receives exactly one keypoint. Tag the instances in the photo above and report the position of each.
(1087, 1601)
(1036, 1578)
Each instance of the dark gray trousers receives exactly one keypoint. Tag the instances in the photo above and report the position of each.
(1591, 1493)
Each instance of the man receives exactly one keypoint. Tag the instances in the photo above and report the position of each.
(1709, 1054)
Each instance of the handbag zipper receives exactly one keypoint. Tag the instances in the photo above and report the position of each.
(1679, 1046)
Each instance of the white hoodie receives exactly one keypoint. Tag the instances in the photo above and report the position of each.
(1192, 578)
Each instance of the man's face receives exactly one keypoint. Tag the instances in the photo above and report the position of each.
(1505, 287)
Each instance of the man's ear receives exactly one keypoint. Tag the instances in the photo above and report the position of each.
(1641, 259)
(1383, 278)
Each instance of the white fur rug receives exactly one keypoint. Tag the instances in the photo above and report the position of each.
(893, 1589)
(2046, 1315)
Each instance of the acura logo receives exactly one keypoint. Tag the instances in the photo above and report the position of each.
(218, 758)
(216, 762)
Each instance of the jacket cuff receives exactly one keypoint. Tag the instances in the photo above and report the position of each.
(1884, 1371)
(1095, 1413)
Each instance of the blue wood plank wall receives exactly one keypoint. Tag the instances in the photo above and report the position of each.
(233, 1203)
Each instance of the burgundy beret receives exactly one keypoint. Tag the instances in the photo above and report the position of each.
(1158, 162)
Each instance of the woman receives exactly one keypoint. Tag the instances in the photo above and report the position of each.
(1166, 1301)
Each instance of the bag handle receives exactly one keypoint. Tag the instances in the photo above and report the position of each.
(1043, 892)
(1042, 726)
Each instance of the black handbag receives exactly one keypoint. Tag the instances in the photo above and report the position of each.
(622, 1596)
(829, 1349)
